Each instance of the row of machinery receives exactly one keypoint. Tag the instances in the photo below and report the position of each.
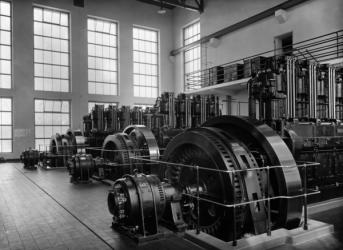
(166, 118)
(116, 156)
(181, 111)
(293, 117)
(169, 116)
(147, 193)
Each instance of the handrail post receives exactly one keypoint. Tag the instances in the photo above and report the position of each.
(269, 232)
(198, 202)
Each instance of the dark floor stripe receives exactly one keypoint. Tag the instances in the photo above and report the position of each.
(68, 211)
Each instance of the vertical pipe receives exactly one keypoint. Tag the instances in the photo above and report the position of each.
(315, 83)
(251, 102)
(291, 104)
(293, 87)
(288, 90)
(305, 197)
(330, 93)
(205, 109)
(201, 109)
(228, 105)
(313, 91)
(291, 100)
(333, 88)
(186, 111)
(190, 112)
(173, 111)
(239, 109)
(310, 90)
(334, 92)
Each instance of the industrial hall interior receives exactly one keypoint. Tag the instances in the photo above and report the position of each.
(171, 124)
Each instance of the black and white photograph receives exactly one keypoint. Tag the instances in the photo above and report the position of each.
(171, 124)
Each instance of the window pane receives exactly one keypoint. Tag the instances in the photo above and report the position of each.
(5, 37)
(145, 66)
(6, 132)
(39, 131)
(50, 116)
(5, 52)
(102, 45)
(5, 81)
(6, 118)
(55, 17)
(64, 19)
(91, 24)
(5, 104)
(56, 31)
(5, 8)
(191, 56)
(5, 67)
(5, 125)
(6, 146)
(39, 105)
(5, 45)
(47, 15)
(5, 23)
(51, 38)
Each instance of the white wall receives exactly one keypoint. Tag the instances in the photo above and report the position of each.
(307, 20)
(127, 13)
(181, 18)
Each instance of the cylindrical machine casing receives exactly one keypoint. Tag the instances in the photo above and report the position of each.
(139, 201)
(81, 167)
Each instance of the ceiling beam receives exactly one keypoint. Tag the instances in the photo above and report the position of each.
(157, 3)
(200, 4)
(197, 6)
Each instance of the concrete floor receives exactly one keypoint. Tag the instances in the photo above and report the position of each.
(43, 210)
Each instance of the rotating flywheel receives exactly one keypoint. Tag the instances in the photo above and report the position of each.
(226, 144)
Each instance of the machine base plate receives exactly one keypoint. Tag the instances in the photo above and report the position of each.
(140, 239)
(278, 238)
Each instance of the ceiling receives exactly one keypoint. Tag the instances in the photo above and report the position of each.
(193, 5)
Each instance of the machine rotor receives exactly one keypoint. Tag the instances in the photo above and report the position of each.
(224, 164)
(285, 180)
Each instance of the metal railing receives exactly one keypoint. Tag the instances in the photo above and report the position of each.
(319, 49)
(267, 196)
